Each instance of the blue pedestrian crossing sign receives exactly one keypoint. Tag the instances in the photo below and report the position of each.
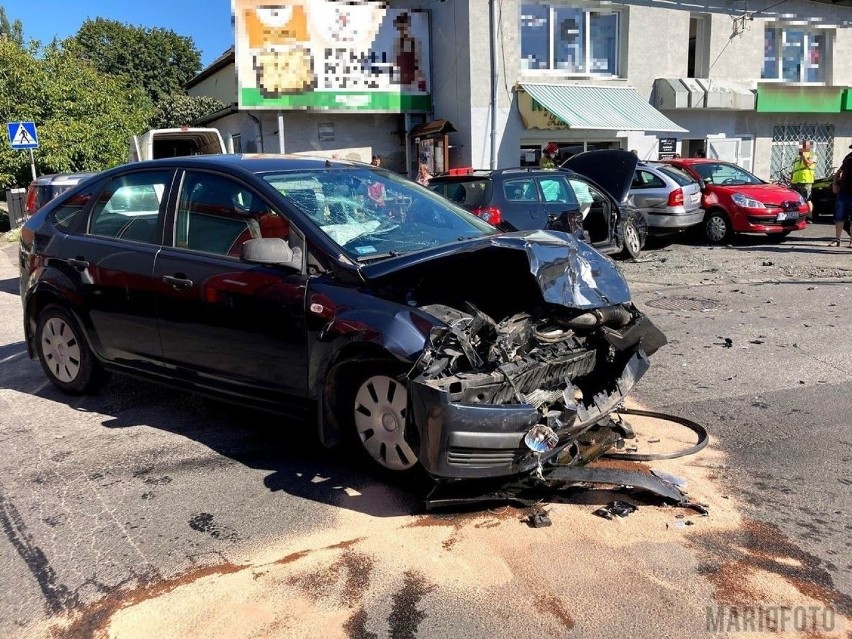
(22, 135)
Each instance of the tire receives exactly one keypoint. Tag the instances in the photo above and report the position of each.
(64, 353)
(717, 227)
(631, 240)
(373, 408)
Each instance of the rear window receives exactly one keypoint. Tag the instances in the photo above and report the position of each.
(682, 178)
(470, 194)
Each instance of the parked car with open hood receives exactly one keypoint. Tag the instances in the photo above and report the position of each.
(531, 198)
(388, 317)
(735, 201)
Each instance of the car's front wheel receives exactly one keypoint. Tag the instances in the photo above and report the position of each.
(717, 227)
(632, 240)
(64, 354)
(375, 408)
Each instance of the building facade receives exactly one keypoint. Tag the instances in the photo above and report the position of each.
(660, 77)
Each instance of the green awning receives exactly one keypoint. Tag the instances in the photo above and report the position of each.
(618, 108)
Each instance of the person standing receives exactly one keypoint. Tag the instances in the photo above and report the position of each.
(842, 186)
(423, 176)
(547, 156)
(802, 177)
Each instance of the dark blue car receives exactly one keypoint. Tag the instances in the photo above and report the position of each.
(338, 294)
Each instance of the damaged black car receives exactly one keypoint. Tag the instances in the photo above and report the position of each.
(338, 294)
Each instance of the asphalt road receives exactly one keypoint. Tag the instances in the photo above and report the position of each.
(143, 512)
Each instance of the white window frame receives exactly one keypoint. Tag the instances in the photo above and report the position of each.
(587, 48)
(780, 30)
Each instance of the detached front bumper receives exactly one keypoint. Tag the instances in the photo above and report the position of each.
(462, 440)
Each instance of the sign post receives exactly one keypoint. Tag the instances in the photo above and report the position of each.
(22, 135)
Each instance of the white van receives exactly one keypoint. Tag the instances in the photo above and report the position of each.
(168, 143)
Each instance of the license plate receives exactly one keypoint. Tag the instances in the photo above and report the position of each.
(694, 197)
(781, 217)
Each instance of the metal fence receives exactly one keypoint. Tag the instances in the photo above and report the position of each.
(786, 140)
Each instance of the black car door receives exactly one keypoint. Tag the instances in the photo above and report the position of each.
(227, 324)
(113, 257)
(520, 203)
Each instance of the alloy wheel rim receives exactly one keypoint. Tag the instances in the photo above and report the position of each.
(716, 228)
(631, 238)
(61, 350)
(381, 405)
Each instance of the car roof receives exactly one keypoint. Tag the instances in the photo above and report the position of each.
(246, 162)
(507, 172)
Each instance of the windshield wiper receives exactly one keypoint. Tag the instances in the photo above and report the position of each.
(377, 256)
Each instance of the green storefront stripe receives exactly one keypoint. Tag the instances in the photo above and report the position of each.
(783, 98)
(339, 101)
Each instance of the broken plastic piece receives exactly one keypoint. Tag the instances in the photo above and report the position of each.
(539, 519)
(615, 509)
(680, 482)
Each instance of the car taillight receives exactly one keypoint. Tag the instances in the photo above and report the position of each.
(489, 214)
(31, 200)
(676, 197)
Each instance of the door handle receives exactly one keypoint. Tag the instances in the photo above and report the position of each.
(178, 283)
(79, 263)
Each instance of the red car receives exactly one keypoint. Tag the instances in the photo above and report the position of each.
(735, 201)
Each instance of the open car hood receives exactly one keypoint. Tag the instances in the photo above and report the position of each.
(611, 169)
(566, 271)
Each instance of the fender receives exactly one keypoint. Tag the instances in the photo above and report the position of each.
(48, 284)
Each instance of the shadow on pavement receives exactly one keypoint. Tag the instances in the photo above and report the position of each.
(297, 463)
(10, 286)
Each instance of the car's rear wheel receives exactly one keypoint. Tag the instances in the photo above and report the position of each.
(64, 354)
(632, 241)
(374, 407)
(717, 227)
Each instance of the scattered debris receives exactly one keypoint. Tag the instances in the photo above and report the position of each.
(680, 482)
(615, 509)
(726, 342)
(538, 519)
(768, 263)
(654, 440)
(756, 341)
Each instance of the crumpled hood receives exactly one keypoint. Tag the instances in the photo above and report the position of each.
(568, 271)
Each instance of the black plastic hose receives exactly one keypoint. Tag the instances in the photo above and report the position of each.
(698, 429)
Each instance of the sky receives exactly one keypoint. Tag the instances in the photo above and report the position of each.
(207, 22)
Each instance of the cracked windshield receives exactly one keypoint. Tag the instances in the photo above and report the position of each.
(372, 214)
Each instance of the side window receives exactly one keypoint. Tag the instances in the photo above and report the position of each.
(69, 217)
(129, 207)
(522, 190)
(557, 189)
(646, 180)
(216, 215)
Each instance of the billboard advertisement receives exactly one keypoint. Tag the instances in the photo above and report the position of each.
(331, 55)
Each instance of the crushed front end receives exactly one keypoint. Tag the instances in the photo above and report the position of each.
(482, 385)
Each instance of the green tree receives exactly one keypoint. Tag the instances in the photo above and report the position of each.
(13, 31)
(84, 117)
(158, 60)
(179, 110)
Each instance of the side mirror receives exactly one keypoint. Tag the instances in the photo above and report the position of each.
(271, 251)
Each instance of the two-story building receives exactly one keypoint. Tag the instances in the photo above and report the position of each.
(503, 78)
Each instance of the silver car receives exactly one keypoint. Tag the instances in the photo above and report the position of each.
(669, 198)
